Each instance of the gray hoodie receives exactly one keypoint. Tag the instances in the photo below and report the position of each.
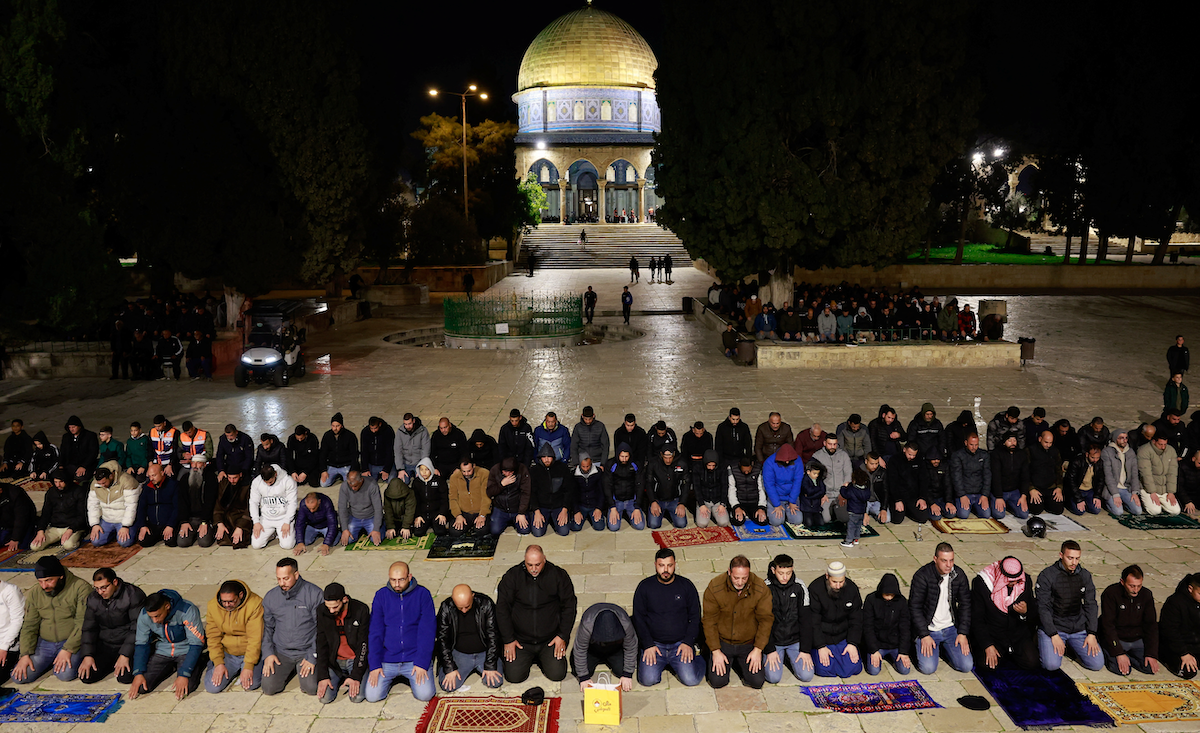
(1111, 458)
(290, 621)
(410, 448)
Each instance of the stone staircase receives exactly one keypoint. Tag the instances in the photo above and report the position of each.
(608, 246)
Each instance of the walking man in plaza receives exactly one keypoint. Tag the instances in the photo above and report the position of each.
(589, 304)
(1066, 599)
(666, 616)
(626, 303)
(400, 644)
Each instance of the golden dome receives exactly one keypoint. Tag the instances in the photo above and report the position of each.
(588, 47)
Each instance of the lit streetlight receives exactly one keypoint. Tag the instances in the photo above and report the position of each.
(472, 91)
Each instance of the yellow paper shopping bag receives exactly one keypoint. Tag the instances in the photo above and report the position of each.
(602, 702)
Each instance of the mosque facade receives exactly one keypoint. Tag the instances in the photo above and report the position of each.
(586, 118)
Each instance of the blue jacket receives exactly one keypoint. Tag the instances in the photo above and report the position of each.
(403, 627)
(765, 322)
(559, 439)
(626, 298)
(856, 498)
(180, 635)
(236, 456)
(782, 483)
(325, 517)
(158, 507)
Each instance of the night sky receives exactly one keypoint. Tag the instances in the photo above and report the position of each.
(411, 47)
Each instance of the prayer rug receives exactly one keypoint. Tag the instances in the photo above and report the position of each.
(752, 532)
(1053, 524)
(488, 715)
(970, 525)
(412, 543)
(832, 531)
(32, 484)
(871, 697)
(39, 707)
(104, 556)
(462, 548)
(24, 560)
(1152, 701)
(1162, 521)
(1039, 699)
(692, 536)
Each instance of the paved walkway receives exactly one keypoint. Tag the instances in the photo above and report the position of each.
(1096, 355)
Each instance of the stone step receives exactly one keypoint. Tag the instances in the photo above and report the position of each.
(609, 246)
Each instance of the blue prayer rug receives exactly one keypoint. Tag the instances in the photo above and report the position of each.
(41, 707)
(871, 697)
(1039, 699)
(752, 532)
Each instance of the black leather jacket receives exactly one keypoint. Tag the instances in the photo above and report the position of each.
(447, 632)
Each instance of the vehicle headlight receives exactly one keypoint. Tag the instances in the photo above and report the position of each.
(247, 360)
(271, 359)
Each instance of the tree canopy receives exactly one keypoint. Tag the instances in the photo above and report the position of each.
(808, 133)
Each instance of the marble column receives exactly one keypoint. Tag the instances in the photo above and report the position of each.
(641, 209)
(602, 185)
(562, 201)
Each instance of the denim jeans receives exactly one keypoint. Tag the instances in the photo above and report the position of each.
(884, 655)
(1051, 660)
(944, 641)
(964, 512)
(551, 523)
(334, 472)
(777, 515)
(43, 661)
(839, 662)
(360, 527)
(313, 535)
(1010, 505)
(626, 509)
(1088, 507)
(337, 675)
(854, 526)
(789, 656)
(108, 532)
(422, 691)
(375, 471)
(668, 510)
(1127, 504)
(586, 511)
(690, 674)
(234, 665)
(873, 507)
(466, 664)
(501, 519)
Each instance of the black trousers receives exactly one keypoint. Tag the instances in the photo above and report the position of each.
(736, 654)
(614, 660)
(1048, 503)
(160, 667)
(589, 311)
(911, 511)
(429, 523)
(518, 669)
(748, 509)
(106, 662)
(155, 535)
(120, 365)
(194, 539)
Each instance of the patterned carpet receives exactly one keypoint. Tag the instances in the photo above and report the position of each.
(871, 697)
(1151, 701)
(37, 707)
(970, 525)
(691, 536)
(488, 715)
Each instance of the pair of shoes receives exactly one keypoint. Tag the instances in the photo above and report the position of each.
(847, 543)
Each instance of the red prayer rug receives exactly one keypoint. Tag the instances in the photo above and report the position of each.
(690, 536)
(488, 715)
(30, 484)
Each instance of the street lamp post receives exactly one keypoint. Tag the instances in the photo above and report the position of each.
(471, 92)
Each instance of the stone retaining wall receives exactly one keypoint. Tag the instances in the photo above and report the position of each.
(448, 279)
(965, 279)
(773, 355)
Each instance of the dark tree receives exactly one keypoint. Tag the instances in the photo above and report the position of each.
(808, 133)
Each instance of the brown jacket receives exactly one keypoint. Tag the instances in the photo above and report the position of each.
(735, 618)
(767, 441)
(237, 631)
(476, 500)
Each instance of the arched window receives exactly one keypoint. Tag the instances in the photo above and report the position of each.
(606, 110)
(579, 110)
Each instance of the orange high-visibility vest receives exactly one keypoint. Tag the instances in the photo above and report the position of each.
(189, 447)
(163, 443)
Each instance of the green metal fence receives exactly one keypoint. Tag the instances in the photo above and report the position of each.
(522, 315)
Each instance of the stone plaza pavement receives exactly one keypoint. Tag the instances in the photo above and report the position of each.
(1095, 355)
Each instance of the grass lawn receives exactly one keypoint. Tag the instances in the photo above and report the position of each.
(994, 254)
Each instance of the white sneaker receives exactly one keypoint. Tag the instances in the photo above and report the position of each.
(847, 543)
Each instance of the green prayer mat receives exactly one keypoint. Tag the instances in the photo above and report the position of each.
(1162, 521)
(412, 543)
(832, 531)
